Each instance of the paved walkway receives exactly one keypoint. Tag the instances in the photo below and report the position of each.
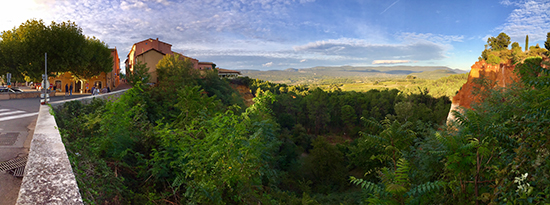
(16, 131)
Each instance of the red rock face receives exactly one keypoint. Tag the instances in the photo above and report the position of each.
(246, 94)
(501, 75)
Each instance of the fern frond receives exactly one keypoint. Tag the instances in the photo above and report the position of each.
(367, 186)
(428, 187)
(402, 172)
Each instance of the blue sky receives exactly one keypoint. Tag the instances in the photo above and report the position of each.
(280, 34)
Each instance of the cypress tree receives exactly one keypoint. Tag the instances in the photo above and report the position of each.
(526, 42)
(547, 43)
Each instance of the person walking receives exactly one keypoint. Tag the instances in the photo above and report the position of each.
(71, 90)
(66, 89)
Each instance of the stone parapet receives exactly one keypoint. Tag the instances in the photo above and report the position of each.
(86, 100)
(48, 177)
(34, 94)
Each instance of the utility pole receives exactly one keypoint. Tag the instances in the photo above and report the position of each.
(45, 97)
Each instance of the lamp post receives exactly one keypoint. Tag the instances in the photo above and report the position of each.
(45, 97)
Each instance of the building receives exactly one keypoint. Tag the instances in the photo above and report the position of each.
(225, 73)
(113, 77)
(151, 51)
(110, 79)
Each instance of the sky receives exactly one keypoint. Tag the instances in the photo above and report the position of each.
(280, 34)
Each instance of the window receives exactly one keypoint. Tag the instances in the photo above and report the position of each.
(58, 85)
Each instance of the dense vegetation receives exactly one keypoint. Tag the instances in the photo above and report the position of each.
(192, 141)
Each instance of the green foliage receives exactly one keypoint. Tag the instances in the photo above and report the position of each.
(139, 76)
(498, 43)
(174, 72)
(493, 59)
(237, 150)
(325, 167)
(391, 138)
(547, 43)
(446, 86)
(22, 50)
(82, 150)
(537, 51)
(395, 187)
(533, 74)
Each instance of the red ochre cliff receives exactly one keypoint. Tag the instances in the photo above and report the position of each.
(245, 93)
(502, 75)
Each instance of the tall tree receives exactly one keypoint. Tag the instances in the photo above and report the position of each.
(22, 50)
(500, 42)
(547, 43)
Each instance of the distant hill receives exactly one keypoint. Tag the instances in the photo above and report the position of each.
(325, 74)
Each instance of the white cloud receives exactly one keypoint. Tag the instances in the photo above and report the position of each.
(389, 61)
(436, 38)
(133, 4)
(303, 60)
(268, 64)
(532, 17)
(359, 49)
(16, 12)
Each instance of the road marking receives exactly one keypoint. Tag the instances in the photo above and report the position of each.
(11, 113)
(18, 116)
(14, 114)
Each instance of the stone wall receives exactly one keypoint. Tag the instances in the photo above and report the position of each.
(86, 100)
(7, 96)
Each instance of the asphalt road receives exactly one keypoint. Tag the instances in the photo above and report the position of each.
(17, 122)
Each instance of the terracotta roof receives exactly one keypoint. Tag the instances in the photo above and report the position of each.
(153, 40)
(152, 49)
(221, 70)
(184, 56)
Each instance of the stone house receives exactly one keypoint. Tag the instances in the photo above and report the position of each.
(151, 51)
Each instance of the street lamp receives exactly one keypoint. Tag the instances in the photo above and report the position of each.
(45, 97)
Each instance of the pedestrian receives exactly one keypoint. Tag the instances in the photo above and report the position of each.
(66, 89)
(93, 89)
(108, 89)
(87, 85)
(71, 90)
